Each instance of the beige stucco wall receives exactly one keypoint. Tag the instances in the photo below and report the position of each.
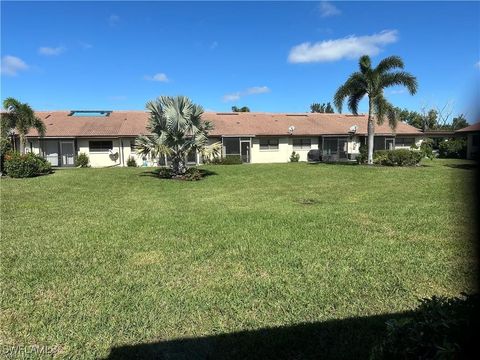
(282, 154)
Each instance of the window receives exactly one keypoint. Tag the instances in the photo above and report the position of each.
(90, 113)
(268, 144)
(404, 141)
(302, 144)
(330, 146)
(100, 146)
(133, 149)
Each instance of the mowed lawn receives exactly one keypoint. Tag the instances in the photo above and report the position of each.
(97, 259)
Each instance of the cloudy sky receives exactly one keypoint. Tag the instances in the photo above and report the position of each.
(277, 57)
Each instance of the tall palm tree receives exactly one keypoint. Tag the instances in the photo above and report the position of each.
(176, 128)
(20, 117)
(372, 82)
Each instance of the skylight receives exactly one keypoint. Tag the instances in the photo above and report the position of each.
(95, 113)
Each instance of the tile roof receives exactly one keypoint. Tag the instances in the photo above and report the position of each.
(471, 128)
(132, 123)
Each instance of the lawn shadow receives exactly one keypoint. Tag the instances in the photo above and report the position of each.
(154, 173)
(471, 166)
(351, 338)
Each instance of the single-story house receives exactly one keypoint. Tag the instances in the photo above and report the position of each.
(108, 137)
(472, 133)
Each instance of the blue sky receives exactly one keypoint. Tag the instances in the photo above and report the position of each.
(277, 57)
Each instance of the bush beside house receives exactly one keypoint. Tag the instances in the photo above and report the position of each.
(82, 160)
(453, 149)
(398, 157)
(26, 165)
(227, 160)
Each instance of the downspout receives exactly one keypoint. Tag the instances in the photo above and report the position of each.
(123, 155)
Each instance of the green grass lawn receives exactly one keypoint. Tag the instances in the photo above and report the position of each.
(98, 259)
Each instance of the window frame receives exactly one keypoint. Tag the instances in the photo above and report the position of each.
(402, 143)
(99, 149)
(269, 147)
(302, 146)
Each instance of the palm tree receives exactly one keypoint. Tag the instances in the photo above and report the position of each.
(20, 117)
(177, 129)
(372, 82)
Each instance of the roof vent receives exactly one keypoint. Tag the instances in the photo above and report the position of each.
(90, 113)
(296, 114)
(227, 113)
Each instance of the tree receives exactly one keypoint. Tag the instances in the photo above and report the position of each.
(176, 128)
(321, 108)
(459, 122)
(21, 118)
(425, 120)
(371, 82)
(18, 117)
(242, 109)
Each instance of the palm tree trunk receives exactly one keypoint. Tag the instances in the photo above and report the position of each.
(371, 133)
(178, 164)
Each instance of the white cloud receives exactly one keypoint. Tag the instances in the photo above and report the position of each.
(349, 47)
(231, 97)
(160, 77)
(477, 65)
(328, 9)
(11, 65)
(85, 45)
(213, 45)
(257, 90)
(113, 20)
(250, 91)
(51, 51)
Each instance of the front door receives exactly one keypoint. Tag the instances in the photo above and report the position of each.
(245, 149)
(67, 153)
(342, 148)
(51, 151)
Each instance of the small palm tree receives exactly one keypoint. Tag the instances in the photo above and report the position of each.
(20, 117)
(372, 82)
(177, 129)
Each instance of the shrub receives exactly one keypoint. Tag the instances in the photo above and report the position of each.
(440, 328)
(82, 160)
(227, 160)
(131, 162)
(426, 148)
(363, 156)
(453, 148)
(44, 166)
(192, 174)
(399, 157)
(25, 165)
(294, 157)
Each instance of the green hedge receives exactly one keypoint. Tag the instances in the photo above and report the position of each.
(227, 160)
(399, 157)
(453, 148)
(26, 165)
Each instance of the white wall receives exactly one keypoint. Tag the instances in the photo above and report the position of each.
(282, 154)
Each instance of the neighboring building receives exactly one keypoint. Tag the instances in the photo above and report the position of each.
(108, 136)
(472, 133)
